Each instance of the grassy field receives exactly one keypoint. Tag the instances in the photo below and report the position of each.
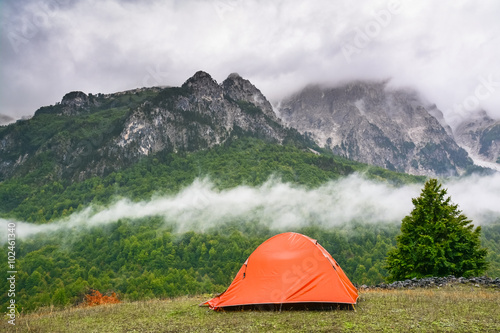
(448, 309)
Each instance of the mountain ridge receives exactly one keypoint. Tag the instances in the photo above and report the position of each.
(94, 134)
(87, 135)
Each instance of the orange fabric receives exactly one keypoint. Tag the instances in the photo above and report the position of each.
(288, 268)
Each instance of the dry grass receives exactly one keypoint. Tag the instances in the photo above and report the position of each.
(449, 309)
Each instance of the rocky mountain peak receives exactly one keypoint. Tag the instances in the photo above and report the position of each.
(202, 84)
(234, 76)
(368, 122)
(200, 115)
(240, 89)
(75, 99)
(199, 79)
(74, 102)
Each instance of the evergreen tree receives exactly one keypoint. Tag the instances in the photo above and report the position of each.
(436, 240)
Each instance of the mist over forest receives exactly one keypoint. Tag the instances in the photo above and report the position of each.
(284, 206)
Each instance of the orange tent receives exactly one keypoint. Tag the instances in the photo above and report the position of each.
(288, 268)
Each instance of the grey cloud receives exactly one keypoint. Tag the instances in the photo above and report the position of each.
(442, 49)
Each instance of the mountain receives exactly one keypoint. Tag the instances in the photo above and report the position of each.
(480, 134)
(370, 123)
(199, 115)
(89, 135)
(86, 135)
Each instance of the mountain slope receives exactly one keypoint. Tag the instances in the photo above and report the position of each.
(367, 122)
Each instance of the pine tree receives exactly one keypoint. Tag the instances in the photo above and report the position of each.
(436, 240)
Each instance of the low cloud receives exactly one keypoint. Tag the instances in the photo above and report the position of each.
(284, 206)
(478, 197)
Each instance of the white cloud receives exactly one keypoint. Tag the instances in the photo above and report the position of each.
(478, 197)
(441, 48)
(284, 206)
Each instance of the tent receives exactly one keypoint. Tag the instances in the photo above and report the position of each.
(287, 269)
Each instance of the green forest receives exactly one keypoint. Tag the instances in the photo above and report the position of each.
(146, 258)
(150, 258)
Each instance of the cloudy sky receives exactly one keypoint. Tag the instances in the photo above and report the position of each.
(448, 50)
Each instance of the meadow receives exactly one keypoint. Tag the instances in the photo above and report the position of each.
(453, 308)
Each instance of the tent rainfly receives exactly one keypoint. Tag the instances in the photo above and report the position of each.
(288, 268)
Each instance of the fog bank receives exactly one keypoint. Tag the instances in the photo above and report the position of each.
(283, 206)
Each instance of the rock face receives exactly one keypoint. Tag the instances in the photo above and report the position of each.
(367, 122)
(239, 89)
(199, 115)
(118, 129)
(481, 135)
